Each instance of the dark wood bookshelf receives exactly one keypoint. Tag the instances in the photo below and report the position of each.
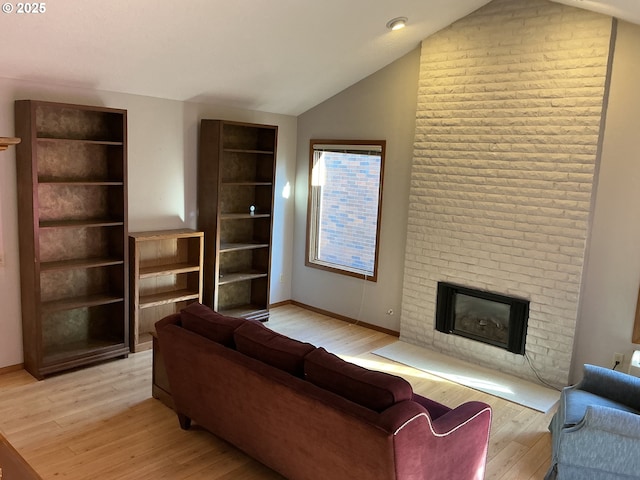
(236, 171)
(72, 202)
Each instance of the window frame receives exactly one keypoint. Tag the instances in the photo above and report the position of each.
(311, 238)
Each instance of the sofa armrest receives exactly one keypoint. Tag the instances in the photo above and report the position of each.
(460, 416)
(435, 409)
(403, 414)
(172, 319)
(617, 386)
(455, 445)
(394, 418)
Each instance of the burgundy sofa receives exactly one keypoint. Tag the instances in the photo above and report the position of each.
(308, 414)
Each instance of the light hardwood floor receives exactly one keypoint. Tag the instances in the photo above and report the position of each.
(102, 423)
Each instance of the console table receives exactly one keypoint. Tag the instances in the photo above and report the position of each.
(12, 465)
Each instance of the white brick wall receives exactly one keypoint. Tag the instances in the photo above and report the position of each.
(508, 120)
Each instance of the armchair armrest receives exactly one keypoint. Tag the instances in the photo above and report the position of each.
(611, 420)
(616, 386)
(606, 442)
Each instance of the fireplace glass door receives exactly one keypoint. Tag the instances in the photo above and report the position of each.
(483, 318)
(486, 317)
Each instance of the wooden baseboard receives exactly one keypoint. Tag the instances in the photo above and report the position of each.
(11, 368)
(336, 316)
(281, 304)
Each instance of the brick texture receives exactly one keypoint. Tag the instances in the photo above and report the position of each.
(510, 106)
(349, 213)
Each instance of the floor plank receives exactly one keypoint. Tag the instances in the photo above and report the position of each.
(101, 422)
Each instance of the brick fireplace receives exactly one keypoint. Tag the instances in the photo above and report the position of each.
(509, 118)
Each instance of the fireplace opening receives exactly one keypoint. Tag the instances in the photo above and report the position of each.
(487, 317)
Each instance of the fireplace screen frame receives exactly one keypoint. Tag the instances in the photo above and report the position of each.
(518, 315)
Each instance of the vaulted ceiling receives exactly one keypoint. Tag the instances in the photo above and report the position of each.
(279, 56)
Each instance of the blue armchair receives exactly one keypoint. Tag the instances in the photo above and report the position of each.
(596, 430)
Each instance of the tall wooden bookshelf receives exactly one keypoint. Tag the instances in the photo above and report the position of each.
(165, 275)
(236, 174)
(72, 213)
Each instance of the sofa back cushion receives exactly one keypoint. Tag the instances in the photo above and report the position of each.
(375, 390)
(204, 321)
(259, 342)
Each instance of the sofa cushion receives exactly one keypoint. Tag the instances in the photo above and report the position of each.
(374, 390)
(204, 321)
(259, 342)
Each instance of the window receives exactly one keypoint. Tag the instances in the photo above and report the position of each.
(345, 194)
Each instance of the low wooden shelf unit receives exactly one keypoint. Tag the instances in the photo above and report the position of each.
(165, 275)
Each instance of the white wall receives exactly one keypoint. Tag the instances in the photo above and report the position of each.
(162, 156)
(610, 289)
(380, 107)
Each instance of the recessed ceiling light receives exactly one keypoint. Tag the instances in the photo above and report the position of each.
(397, 23)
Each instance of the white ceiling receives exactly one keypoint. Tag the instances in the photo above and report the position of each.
(279, 56)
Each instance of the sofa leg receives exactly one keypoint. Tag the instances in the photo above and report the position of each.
(185, 422)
